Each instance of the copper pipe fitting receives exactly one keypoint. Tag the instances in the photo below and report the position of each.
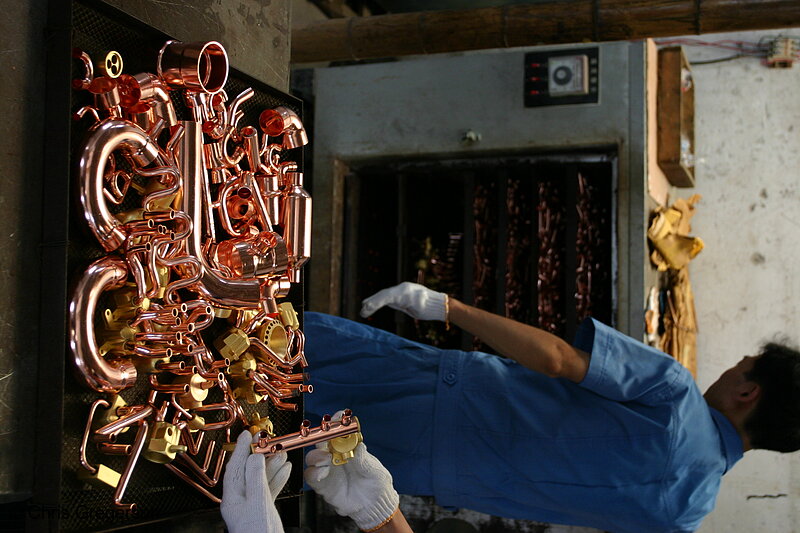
(202, 490)
(138, 445)
(107, 273)
(107, 137)
(296, 220)
(284, 121)
(176, 367)
(114, 449)
(212, 286)
(88, 67)
(87, 431)
(180, 388)
(194, 66)
(223, 406)
(308, 437)
(125, 421)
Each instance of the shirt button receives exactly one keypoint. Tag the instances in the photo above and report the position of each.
(450, 378)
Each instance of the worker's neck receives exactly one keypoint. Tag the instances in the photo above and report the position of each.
(737, 418)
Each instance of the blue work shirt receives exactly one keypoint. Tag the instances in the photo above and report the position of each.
(632, 448)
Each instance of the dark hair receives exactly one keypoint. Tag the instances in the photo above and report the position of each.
(775, 422)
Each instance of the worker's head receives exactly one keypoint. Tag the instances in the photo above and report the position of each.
(774, 423)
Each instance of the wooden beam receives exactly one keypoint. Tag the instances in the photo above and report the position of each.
(551, 22)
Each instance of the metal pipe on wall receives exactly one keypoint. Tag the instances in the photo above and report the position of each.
(550, 22)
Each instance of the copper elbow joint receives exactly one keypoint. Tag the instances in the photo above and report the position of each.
(109, 136)
(194, 66)
(101, 375)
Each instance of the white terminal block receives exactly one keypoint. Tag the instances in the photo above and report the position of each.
(568, 75)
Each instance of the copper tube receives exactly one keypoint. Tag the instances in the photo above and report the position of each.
(192, 445)
(218, 407)
(281, 376)
(138, 445)
(125, 421)
(289, 125)
(86, 109)
(194, 66)
(146, 351)
(87, 431)
(180, 388)
(180, 366)
(165, 336)
(170, 176)
(108, 136)
(102, 375)
(211, 480)
(114, 449)
(305, 428)
(307, 437)
(193, 483)
(271, 390)
(212, 287)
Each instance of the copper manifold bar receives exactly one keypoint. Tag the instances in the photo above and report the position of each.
(329, 429)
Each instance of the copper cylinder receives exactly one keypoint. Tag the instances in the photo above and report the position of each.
(194, 66)
(105, 274)
(297, 224)
(107, 137)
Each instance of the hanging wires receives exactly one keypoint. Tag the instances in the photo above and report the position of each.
(760, 49)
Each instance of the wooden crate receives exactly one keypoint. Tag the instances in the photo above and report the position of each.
(675, 138)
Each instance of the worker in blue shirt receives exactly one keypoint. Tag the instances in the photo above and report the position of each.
(608, 432)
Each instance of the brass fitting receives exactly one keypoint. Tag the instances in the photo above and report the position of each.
(343, 448)
(288, 315)
(258, 424)
(221, 312)
(197, 423)
(162, 445)
(104, 477)
(198, 392)
(245, 364)
(245, 390)
(273, 334)
(232, 344)
(103, 417)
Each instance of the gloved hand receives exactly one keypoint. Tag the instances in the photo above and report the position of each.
(411, 298)
(249, 489)
(361, 488)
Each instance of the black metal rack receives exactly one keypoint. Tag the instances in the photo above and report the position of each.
(60, 501)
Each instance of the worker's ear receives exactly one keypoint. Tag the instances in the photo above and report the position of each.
(748, 393)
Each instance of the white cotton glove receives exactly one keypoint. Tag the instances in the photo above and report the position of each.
(361, 488)
(249, 488)
(411, 298)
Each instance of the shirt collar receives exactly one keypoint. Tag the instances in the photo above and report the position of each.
(732, 444)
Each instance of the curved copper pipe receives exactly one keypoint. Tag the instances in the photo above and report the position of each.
(108, 136)
(107, 273)
(125, 421)
(212, 286)
(84, 442)
(138, 445)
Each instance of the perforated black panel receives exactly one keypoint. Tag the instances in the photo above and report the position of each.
(157, 492)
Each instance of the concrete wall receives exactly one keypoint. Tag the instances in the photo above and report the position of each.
(745, 281)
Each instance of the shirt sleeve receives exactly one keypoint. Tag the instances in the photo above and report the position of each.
(623, 369)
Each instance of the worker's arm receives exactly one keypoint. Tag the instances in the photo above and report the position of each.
(529, 346)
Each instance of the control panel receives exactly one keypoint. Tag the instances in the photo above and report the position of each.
(562, 77)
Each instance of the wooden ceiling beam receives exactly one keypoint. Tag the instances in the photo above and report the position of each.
(550, 22)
